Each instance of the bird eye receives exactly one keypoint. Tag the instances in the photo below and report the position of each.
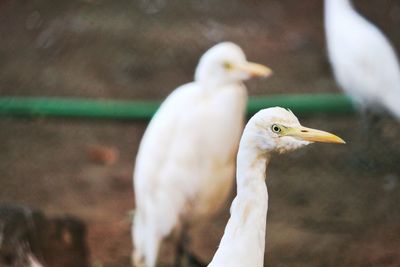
(276, 129)
(228, 66)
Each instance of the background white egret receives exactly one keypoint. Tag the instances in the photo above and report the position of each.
(270, 130)
(185, 163)
(364, 62)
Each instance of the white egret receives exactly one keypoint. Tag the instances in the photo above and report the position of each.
(364, 62)
(186, 160)
(270, 130)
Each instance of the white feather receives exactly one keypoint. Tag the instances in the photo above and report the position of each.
(33, 262)
(186, 160)
(364, 62)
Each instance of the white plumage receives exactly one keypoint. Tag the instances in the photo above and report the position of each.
(185, 163)
(270, 130)
(364, 63)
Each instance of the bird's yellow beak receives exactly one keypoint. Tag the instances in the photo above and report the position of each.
(255, 69)
(313, 135)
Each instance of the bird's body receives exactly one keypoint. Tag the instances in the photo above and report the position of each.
(190, 162)
(270, 130)
(186, 160)
(364, 62)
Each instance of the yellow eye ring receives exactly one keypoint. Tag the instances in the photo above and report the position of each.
(228, 66)
(276, 128)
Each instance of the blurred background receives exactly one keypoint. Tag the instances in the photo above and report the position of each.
(328, 205)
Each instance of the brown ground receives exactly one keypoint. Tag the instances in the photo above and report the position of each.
(327, 208)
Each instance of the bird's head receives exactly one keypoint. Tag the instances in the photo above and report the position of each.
(226, 63)
(278, 130)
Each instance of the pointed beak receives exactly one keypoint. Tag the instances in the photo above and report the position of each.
(313, 135)
(255, 69)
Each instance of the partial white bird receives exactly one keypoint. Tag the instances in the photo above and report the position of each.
(186, 160)
(28, 238)
(270, 130)
(364, 62)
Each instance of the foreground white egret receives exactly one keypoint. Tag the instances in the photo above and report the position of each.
(270, 130)
(364, 63)
(186, 160)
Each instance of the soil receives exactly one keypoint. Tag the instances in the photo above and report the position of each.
(329, 205)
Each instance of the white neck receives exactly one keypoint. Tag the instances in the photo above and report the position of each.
(338, 5)
(339, 15)
(215, 81)
(243, 243)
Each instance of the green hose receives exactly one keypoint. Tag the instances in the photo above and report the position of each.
(144, 110)
(304, 103)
